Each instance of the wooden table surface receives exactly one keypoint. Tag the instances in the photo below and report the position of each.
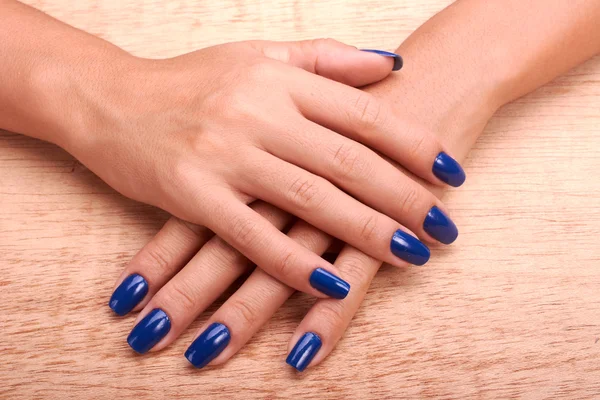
(511, 310)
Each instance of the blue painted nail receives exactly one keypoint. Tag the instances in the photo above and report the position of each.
(398, 62)
(208, 345)
(129, 293)
(448, 170)
(328, 283)
(304, 351)
(409, 248)
(440, 226)
(149, 331)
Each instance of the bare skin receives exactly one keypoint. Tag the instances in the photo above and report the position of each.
(462, 66)
(450, 88)
(204, 134)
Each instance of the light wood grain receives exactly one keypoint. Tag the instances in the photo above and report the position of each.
(511, 310)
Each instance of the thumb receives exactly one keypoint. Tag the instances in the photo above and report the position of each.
(334, 60)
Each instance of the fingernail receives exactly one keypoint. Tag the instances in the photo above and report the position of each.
(329, 284)
(448, 170)
(304, 351)
(129, 293)
(149, 331)
(398, 62)
(208, 345)
(409, 248)
(440, 226)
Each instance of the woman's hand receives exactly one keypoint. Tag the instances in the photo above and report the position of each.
(204, 134)
(177, 275)
(174, 277)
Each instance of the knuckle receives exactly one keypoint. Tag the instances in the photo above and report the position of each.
(306, 194)
(245, 231)
(183, 171)
(235, 106)
(286, 265)
(368, 110)
(331, 318)
(324, 42)
(262, 71)
(408, 200)
(157, 257)
(179, 297)
(354, 269)
(245, 311)
(418, 147)
(368, 228)
(349, 162)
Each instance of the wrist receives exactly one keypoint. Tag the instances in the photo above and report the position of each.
(73, 94)
(446, 86)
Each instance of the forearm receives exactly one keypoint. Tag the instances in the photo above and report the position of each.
(45, 66)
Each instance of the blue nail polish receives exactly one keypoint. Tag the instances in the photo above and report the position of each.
(398, 62)
(409, 248)
(129, 293)
(304, 351)
(149, 331)
(208, 345)
(448, 170)
(328, 283)
(440, 226)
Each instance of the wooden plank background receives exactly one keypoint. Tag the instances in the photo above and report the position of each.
(511, 310)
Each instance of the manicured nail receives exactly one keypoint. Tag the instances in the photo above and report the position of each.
(149, 331)
(409, 248)
(129, 293)
(398, 62)
(440, 226)
(326, 282)
(304, 351)
(208, 345)
(448, 170)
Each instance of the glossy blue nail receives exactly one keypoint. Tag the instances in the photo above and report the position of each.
(304, 351)
(149, 331)
(440, 226)
(328, 283)
(208, 345)
(409, 248)
(398, 62)
(448, 170)
(129, 293)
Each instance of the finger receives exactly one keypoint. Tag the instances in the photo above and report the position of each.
(366, 176)
(212, 270)
(321, 204)
(156, 263)
(333, 60)
(249, 308)
(326, 322)
(275, 252)
(364, 118)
